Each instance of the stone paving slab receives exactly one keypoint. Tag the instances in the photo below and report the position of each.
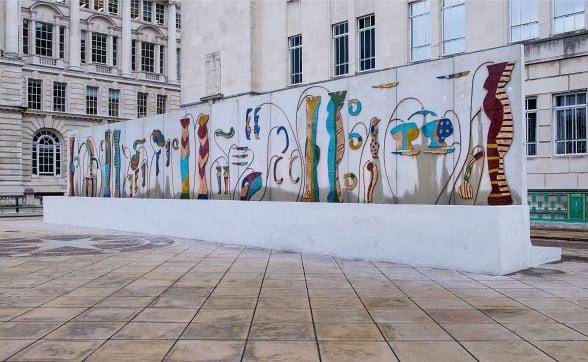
(71, 293)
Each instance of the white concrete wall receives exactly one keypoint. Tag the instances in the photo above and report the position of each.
(280, 157)
(419, 235)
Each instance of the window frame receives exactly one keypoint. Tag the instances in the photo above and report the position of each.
(147, 15)
(142, 98)
(340, 48)
(444, 41)
(295, 59)
(113, 6)
(159, 13)
(92, 100)
(59, 96)
(533, 24)
(114, 51)
(161, 104)
(531, 112)
(135, 6)
(113, 102)
(427, 18)
(43, 39)
(26, 36)
(567, 140)
(133, 55)
(51, 152)
(161, 59)
(99, 5)
(581, 15)
(83, 47)
(147, 57)
(367, 58)
(99, 48)
(61, 41)
(34, 94)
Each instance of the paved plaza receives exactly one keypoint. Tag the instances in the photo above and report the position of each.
(70, 293)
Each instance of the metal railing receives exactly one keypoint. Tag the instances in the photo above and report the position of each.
(15, 204)
(558, 206)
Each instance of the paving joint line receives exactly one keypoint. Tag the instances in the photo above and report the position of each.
(311, 311)
(208, 296)
(366, 309)
(424, 311)
(255, 308)
(143, 308)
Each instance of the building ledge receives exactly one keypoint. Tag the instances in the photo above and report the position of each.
(212, 98)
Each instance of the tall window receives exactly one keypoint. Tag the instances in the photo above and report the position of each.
(531, 115)
(295, 49)
(133, 55)
(147, 57)
(99, 5)
(34, 90)
(453, 26)
(341, 48)
(113, 102)
(98, 48)
(62, 42)
(147, 11)
(161, 104)
(135, 9)
(91, 100)
(25, 36)
(367, 42)
(570, 124)
(113, 6)
(58, 97)
(568, 15)
(44, 39)
(178, 19)
(114, 50)
(159, 13)
(161, 59)
(141, 104)
(420, 30)
(524, 20)
(84, 4)
(46, 154)
(83, 47)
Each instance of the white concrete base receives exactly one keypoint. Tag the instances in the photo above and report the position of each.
(481, 239)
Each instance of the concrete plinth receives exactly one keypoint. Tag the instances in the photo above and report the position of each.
(480, 239)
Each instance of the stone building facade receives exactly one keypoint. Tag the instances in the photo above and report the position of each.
(66, 64)
(262, 46)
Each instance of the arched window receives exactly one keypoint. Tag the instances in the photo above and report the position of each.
(46, 154)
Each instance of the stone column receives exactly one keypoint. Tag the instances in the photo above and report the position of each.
(11, 28)
(74, 35)
(125, 43)
(171, 42)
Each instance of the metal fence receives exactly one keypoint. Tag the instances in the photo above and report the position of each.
(16, 205)
(558, 206)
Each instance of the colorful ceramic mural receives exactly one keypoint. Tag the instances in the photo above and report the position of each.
(442, 132)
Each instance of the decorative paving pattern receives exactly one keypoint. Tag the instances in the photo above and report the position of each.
(65, 245)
